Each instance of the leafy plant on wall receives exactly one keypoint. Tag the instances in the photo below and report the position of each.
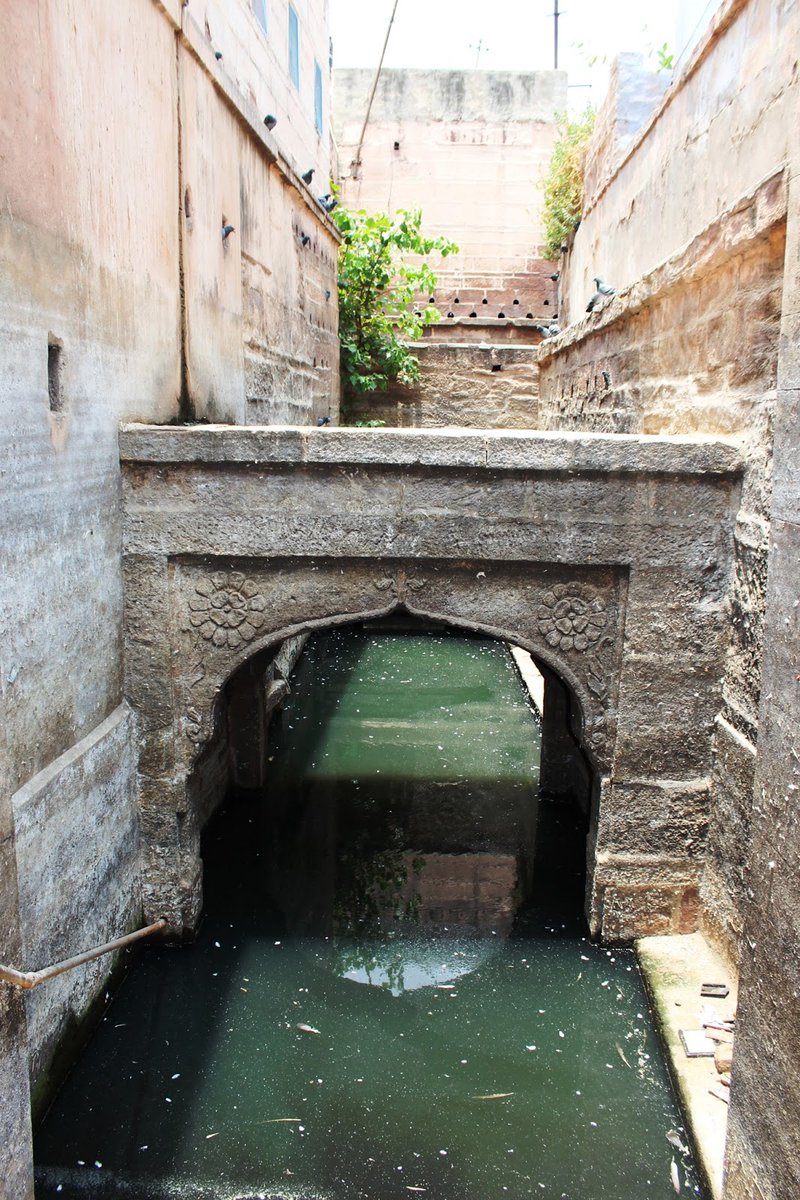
(379, 282)
(563, 183)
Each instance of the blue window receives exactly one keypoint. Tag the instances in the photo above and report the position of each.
(294, 48)
(259, 8)
(318, 96)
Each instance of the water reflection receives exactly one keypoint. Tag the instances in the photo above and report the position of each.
(405, 787)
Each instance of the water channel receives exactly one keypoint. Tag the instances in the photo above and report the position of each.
(392, 994)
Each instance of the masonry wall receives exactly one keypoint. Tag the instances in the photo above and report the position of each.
(690, 343)
(764, 1131)
(469, 148)
(124, 144)
(722, 128)
(468, 384)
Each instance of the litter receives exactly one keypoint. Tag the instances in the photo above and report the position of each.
(721, 1093)
(494, 1096)
(696, 1044)
(718, 990)
(675, 1140)
(306, 1028)
(675, 1176)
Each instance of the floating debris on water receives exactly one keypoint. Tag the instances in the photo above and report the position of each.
(675, 1140)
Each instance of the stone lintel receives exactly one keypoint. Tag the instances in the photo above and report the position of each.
(498, 450)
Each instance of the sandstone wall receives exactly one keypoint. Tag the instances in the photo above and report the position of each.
(722, 128)
(125, 143)
(470, 149)
(764, 1138)
(690, 343)
(474, 385)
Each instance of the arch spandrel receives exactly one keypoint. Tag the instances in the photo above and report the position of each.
(571, 621)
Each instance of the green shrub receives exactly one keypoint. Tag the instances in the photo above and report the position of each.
(563, 184)
(378, 288)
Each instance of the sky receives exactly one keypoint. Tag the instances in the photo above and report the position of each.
(513, 35)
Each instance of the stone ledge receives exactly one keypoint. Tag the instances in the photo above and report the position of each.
(674, 967)
(751, 217)
(498, 450)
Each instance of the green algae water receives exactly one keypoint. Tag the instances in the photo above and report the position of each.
(392, 994)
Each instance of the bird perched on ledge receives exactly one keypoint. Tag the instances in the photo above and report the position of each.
(323, 421)
(270, 121)
(307, 175)
(227, 230)
(603, 289)
(328, 202)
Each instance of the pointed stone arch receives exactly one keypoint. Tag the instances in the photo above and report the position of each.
(606, 556)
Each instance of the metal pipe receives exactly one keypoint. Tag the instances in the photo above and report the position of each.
(356, 163)
(32, 979)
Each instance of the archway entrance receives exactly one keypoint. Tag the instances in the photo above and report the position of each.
(395, 774)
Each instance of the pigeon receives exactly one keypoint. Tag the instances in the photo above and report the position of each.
(551, 330)
(555, 276)
(603, 290)
(305, 239)
(328, 202)
(218, 55)
(227, 230)
(323, 421)
(327, 293)
(270, 121)
(307, 175)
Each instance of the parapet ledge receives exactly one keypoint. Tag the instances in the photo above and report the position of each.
(447, 447)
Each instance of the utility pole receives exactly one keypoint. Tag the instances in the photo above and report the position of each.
(356, 163)
(478, 51)
(555, 34)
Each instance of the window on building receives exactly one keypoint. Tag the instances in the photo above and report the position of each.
(318, 96)
(294, 48)
(259, 8)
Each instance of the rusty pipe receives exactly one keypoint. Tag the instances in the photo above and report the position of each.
(32, 979)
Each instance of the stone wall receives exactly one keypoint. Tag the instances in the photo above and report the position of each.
(474, 385)
(125, 144)
(470, 149)
(722, 128)
(764, 1139)
(77, 843)
(690, 342)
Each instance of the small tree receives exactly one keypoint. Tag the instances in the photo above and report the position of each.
(377, 293)
(563, 184)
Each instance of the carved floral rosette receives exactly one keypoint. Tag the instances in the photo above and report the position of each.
(227, 609)
(571, 616)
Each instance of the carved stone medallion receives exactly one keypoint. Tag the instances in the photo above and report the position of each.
(571, 616)
(227, 609)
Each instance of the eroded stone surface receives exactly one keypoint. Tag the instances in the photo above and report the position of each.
(598, 554)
